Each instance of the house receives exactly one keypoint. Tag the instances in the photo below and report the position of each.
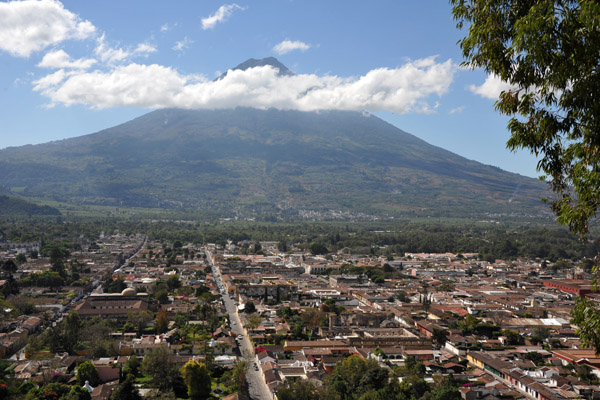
(265, 357)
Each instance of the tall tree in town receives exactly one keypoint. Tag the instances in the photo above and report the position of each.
(546, 52)
(237, 378)
(126, 390)
(161, 324)
(87, 372)
(197, 380)
(159, 366)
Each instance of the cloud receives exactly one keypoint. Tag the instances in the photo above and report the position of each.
(60, 59)
(182, 44)
(287, 45)
(406, 89)
(491, 88)
(143, 49)
(50, 80)
(456, 110)
(30, 26)
(167, 27)
(220, 15)
(112, 55)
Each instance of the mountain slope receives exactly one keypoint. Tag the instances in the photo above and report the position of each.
(266, 161)
(14, 206)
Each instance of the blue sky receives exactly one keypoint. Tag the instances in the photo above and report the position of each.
(75, 67)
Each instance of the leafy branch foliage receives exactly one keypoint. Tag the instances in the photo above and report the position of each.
(548, 52)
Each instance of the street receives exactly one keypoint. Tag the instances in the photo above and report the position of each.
(257, 386)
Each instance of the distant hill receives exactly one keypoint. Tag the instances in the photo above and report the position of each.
(253, 162)
(15, 206)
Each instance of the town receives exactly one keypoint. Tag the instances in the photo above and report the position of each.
(264, 319)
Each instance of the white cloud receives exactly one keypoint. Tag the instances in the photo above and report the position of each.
(220, 15)
(406, 89)
(287, 45)
(29, 26)
(456, 110)
(112, 55)
(143, 49)
(50, 80)
(60, 59)
(182, 44)
(108, 54)
(167, 27)
(492, 87)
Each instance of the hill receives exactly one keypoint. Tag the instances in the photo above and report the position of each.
(14, 206)
(249, 162)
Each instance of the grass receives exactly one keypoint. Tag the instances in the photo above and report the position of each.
(143, 379)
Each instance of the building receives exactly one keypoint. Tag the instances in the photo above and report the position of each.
(113, 305)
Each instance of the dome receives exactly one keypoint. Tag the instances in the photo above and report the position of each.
(128, 292)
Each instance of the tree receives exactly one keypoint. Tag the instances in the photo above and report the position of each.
(87, 371)
(57, 261)
(318, 248)
(157, 364)
(139, 319)
(181, 320)
(313, 317)
(113, 286)
(445, 286)
(282, 246)
(161, 324)
(355, 376)
(237, 379)
(162, 296)
(439, 336)
(536, 357)
(539, 334)
(173, 282)
(253, 320)
(10, 266)
(298, 390)
(513, 337)
(132, 366)
(65, 336)
(446, 390)
(249, 307)
(78, 393)
(547, 51)
(55, 390)
(197, 379)
(402, 296)
(126, 390)
(11, 286)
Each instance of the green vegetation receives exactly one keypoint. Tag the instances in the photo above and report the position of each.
(197, 379)
(490, 240)
(273, 165)
(13, 206)
(548, 51)
(359, 379)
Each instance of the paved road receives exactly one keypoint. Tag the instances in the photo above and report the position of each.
(256, 384)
